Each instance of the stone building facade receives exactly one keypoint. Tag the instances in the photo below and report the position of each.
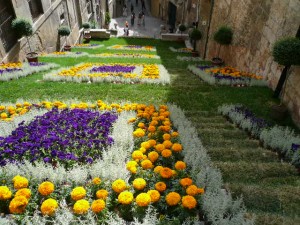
(256, 24)
(46, 16)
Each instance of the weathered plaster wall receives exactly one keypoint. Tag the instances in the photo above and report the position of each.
(257, 25)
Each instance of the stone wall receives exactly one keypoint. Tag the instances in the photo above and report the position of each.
(45, 37)
(257, 25)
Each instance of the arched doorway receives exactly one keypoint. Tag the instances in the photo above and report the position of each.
(172, 9)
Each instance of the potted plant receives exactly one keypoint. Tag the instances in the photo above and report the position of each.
(86, 33)
(223, 36)
(195, 35)
(286, 52)
(65, 32)
(182, 28)
(23, 27)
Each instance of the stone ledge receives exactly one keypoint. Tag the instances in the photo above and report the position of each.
(174, 37)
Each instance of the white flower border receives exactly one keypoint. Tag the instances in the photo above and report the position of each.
(26, 70)
(89, 47)
(213, 81)
(217, 202)
(189, 58)
(179, 50)
(68, 54)
(164, 77)
(132, 49)
(138, 56)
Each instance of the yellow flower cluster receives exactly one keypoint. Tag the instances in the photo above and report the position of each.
(150, 72)
(119, 185)
(5, 193)
(125, 197)
(126, 55)
(81, 206)
(26, 192)
(7, 113)
(139, 184)
(78, 193)
(20, 182)
(143, 199)
(49, 207)
(18, 204)
(133, 47)
(46, 188)
(233, 72)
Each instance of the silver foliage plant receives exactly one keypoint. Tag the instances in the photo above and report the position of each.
(218, 205)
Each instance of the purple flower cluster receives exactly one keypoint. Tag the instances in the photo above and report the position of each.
(295, 147)
(9, 70)
(204, 67)
(113, 69)
(66, 137)
(37, 64)
(133, 46)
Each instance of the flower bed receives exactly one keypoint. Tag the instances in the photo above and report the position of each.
(181, 50)
(226, 76)
(168, 168)
(125, 55)
(10, 71)
(65, 54)
(189, 58)
(280, 139)
(116, 73)
(92, 46)
(132, 47)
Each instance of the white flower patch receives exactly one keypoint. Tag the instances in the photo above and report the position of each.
(89, 46)
(142, 73)
(65, 54)
(181, 50)
(124, 55)
(188, 58)
(132, 48)
(26, 70)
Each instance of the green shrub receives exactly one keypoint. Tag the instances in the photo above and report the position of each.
(287, 51)
(86, 25)
(223, 36)
(107, 18)
(195, 35)
(182, 28)
(64, 31)
(23, 27)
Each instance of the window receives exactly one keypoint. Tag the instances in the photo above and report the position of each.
(36, 8)
(7, 34)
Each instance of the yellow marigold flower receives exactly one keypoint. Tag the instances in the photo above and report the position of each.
(139, 132)
(3, 115)
(153, 156)
(46, 188)
(166, 173)
(154, 194)
(166, 137)
(166, 153)
(151, 129)
(5, 193)
(20, 182)
(167, 144)
(78, 193)
(131, 120)
(157, 169)
(143, 199)
(185, 182)
(49, 207)
(139, 184)
(142, 149)
(189, 202)
(98, 205)
(18, 205)
(81, 206)
(125, 197)
(137, 155)
(152, 142)
(173, 198)
(145, 145)
(141, 125)
(176, 147)
(200, 191)
(192, 190)
(26, 192)
(159, 147)
(146, 164)
(180, 165)
(102, 194)
(96, 180)
(119, 185)
(160, 186)
(131, 164)
(174, 134)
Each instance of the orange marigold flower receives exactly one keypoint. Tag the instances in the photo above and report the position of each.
(201, 191)
(18, 205)
(154, 194)
(166, 137)
(46, 188)
(20, 182)
(159, 147)
(102, 194)
(174, 134)
(160, 186)
(189, 202)
(176, 147)
(141, 125)
(152, 142)
(143, 199)
(151, 129)
(96, 180)
(166, 153)
(173, 198)
(186, 182)
(167, 144)
(145, 145)
(139, 184)
(166, 173)
(192, 190)
(49, 207)
(157, 169)
(26, 192)
(98, 205)
(153, 156)
(180, 165)
(146, 164)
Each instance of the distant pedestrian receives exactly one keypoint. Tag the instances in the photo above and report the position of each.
(143, 20)
(126, 29)
(132, 18)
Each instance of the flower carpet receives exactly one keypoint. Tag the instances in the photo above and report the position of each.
(125, 55)
(10, 71)
(116, 73)
(65, 54)
(132, 47)
(90, 46)
(153, 171)
(226, 76)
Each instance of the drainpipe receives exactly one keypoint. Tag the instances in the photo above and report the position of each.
(208, 28)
